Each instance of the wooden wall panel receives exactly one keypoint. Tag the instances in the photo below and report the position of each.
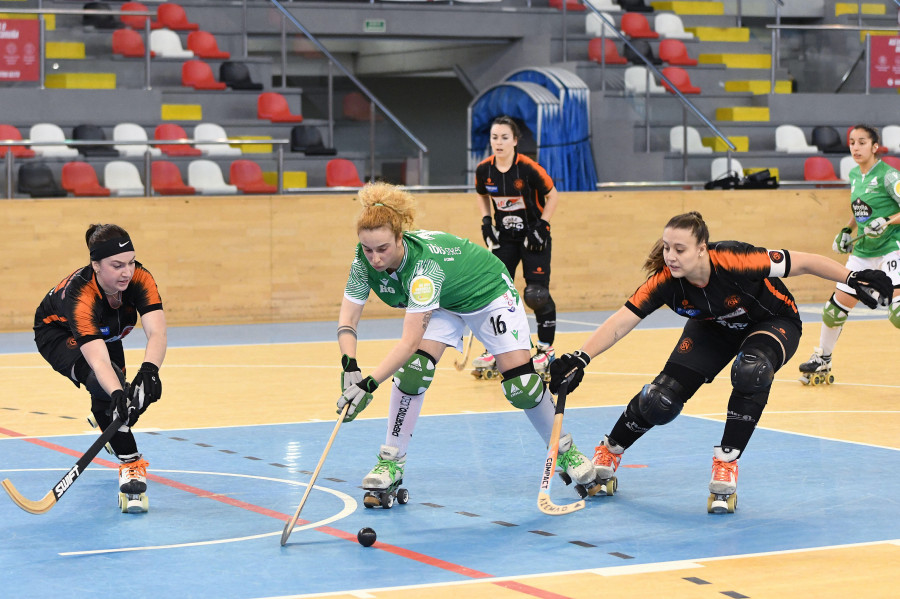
(280, 258)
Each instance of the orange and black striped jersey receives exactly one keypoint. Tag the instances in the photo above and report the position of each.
(518, 194)
(744, 288)
(78, 305)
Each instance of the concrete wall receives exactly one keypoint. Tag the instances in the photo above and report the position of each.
(276, 258)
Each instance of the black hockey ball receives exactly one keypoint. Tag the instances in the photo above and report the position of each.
(366, 537)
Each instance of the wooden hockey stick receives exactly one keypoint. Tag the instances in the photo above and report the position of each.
(465, 357)
(893, 221)
(289, 527)
(43, 506)
(545, 504)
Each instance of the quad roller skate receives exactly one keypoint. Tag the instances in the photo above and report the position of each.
(817, 371)
(575, 466)
(382, 484)
(133, 487)
(543, 355)
(485, 367)
(723, 484)
(606, 460)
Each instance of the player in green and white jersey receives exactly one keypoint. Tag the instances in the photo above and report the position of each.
(874, 201)
(444, 283)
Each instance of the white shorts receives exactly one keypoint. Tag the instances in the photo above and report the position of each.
(501, 326)
(889, 263)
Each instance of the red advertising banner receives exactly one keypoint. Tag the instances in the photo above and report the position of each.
(884, 67)
(19, 50)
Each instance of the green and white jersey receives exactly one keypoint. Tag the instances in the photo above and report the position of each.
(439, 270)
(873, 195)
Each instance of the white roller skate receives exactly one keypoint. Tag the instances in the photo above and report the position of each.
(723, 484)
(575, 466)
(817, 371)
(133, 487)
(606, 460)
(382, 484)
(485, 366)
(543, 355)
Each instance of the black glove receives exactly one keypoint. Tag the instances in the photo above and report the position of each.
(489, 233)
(145, 388)
(872, 287)
(122, 407)
(563, 365)
(538, 236)
(350, 374)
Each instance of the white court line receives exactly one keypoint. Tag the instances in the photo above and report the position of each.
(350, 506)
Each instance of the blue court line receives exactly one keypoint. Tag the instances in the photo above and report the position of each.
(473, 483)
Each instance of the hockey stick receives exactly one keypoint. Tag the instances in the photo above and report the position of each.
(465, 357)
(893, 221)
(289, 527)
(545, 504)
(43, 506)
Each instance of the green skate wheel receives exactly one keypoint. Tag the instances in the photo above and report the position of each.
(403, 496)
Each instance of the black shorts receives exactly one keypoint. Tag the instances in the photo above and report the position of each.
(535, 265)
(58, 347)
(707, 347)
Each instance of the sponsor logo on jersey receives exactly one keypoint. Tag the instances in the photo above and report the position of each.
(121, 335)
(519, 184)
(732, 301)
(513, 223)
(690, 312)
(421, 289)
(509, 203)
(686, 345)
(861, 211)
(70, 343)
(491, 188)
(436, 249)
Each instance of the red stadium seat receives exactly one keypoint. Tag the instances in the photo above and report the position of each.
(597, 49)
(340, 172)
(172, 131)
(80, 179)
(274, 107)
(680, 79)
(8, 132)
(247, 176)
(203, 44)
(675, 53)
(571, 5)
(136, 22)
(891, 161)
(167, 179)
(172, 16)
(819, 168)
(197, 74)
(129, 43)
(636, 25)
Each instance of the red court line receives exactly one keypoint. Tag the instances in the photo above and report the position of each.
(399, 551)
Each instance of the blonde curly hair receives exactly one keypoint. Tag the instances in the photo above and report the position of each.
(386, 205)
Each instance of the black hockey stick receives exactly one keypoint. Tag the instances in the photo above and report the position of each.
(545, 504)
(43, 506)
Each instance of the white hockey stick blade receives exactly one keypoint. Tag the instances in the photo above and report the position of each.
(546, 505)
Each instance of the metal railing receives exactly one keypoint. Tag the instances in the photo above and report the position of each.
(147, 157)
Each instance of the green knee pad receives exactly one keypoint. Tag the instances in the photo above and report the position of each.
(416, 375)
(894, 311)
(524, 391)
(833, 315)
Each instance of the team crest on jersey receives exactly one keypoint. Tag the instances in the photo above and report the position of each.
(686, 345)
(421, 289)
(776, 257)
(518, 184)
(732, 301)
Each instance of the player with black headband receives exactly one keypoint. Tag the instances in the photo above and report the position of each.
(524, 199)
(78, 329)
(738, 311)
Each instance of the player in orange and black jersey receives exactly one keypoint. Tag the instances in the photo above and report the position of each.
(79, 327)
(524, 199)
(738, 311)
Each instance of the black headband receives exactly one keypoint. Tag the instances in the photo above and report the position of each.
(111, 247)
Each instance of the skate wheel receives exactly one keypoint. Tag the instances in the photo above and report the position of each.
(581, 490)
(545, 376)
(371, 500)
(477, 374)
(490, 374)
(830, 379)
(402, 496)
(721, 504)
(804, 380)
(565, 478)
(387, 501)
(123, 502)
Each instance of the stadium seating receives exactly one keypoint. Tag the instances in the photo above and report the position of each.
(99, 21)
(846, 165)
(718, 168)
(132, 132)
(247, 176)
(675, 53)
(166, 179)
(890, 138)
(129, 43)
(89, 132)
(636, 26)
(571, 5)
(172, 16)
(356, 107)
(641, 48)
(308, 139)
(48, 132)
(636, 81)
(203, 44)
(136, 21)
(669, 25)
(605, 5)
(274, 107)
(167, 44)
(828, 140)
(694, 142)
(236, 76)
(818, 168)
(80, 179)
(790, 139)
(8, 132)
(205, 176)
(892, 161)
(635, 6)
(597, 27)
(36, 179)
(122, 179)
(209, 131)
(172, 131)
(198, 75)
(680, 79)
(597, 47)
(340, 172)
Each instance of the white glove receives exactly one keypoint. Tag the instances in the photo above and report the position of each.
(876, 227)
(842, 243)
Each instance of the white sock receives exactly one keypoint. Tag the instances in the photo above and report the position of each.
(402, 416)
(541, 417)
(828, 338)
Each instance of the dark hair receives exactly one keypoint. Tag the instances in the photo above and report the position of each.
(692, 221)
(97, 233)
(872, 131)
(509, 122)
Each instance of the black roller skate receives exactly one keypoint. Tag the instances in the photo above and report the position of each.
(382, 484)
(817, 371)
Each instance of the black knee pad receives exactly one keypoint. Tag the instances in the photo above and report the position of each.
(662, 400)
(754, 370)
(536, 296)
(99, 398)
